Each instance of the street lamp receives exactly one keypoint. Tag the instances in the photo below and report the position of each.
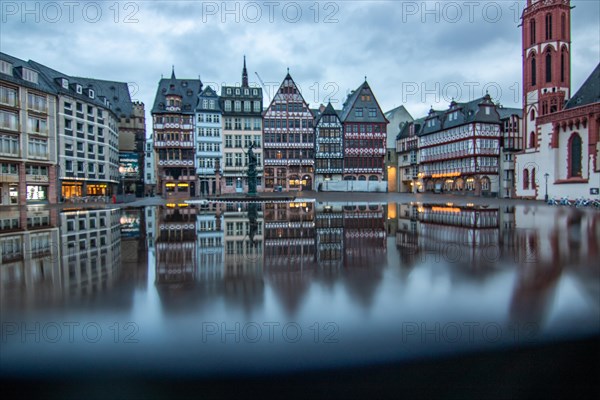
(546, 175)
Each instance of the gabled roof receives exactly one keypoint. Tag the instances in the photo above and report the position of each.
(279, 95)
(506, 112)
(356, 101)
(405, 129)
(329, 110)
(187, 89)
(589, 92)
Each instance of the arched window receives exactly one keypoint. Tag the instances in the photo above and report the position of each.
(548, 67)
(532, 31)
(525, 179)
(548, 26)
(533, 182)
(531, 140)
(533, 68)
(575, 155)
(563, 26)
(562, 65)
(532, 115)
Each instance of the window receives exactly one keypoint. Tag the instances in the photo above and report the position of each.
(548, 67)
(532, 31)
(372, 112)
(228, 103)
(533, 71)
(257, 105)
(562, 65)
(526, 179)
(575, 155)
(30, 75)
(238, 140)
(205, 104)
(8, 120)
(38, 148)
(228, 162)
(548, 26)
(531, 140)
(238, 160)
(37, 125)
(257, 124)
(246, 106)
(228, 141)
(358, 112)
(237, 105)
(229, 181)
(563, 26)
(9, 145)
(5, 67)
(69, 165)
(533, 181)
(8, 96)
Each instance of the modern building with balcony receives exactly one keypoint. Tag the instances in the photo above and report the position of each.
(27, 134)
(209, 140)
(242, 125)
(174, 142)
(289, 140)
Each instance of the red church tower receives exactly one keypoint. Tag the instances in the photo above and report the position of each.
(546, 63)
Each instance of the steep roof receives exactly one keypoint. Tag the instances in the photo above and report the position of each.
(355, 100)
(187, 89)
(589, 92)
(506, 112)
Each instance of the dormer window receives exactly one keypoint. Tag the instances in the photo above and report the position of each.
(205, 104)
(228, 90)
(79, 89)
(246, 92)
(255, 92)
(5, 67)
(237, 91)
(30, 75)
(91, 93)
(64, 83)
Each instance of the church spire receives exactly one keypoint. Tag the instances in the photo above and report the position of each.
(172, 71)
(244, 75)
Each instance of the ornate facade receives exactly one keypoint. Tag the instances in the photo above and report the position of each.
(288, 140)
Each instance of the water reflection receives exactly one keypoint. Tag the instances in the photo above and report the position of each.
(368, 269)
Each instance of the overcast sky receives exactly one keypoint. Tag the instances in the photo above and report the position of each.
(415, 54)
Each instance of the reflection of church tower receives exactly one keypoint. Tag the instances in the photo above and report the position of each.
(546, 39)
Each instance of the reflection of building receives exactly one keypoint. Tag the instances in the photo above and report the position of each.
(90, 249)
(289, 234)
(397, 118)
(209, 231)
(29, 256)
(174, 143)
(561, 144)
(407, 148)
(243, 250)
(242, 125)
(27, 134)
(288, 140)
(176, 253)
(448, 233)
(365, 241)
(329, 229)
(134, 255)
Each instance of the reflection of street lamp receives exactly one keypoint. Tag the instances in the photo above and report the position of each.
(122, 174)
(546, 175)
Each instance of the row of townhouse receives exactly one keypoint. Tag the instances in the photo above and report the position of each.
(59, 135)
(201, 140)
